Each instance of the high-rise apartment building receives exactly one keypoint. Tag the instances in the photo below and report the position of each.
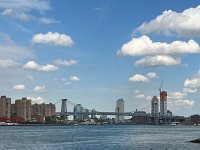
(119, 109)
(23, 108)
(163, 103)
(43, 109)
(50, 109)
(78, 109)
(64, 107)
(93, 116)
(5, 107)
(154, 106)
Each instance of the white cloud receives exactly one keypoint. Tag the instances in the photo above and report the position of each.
(17, 14)
(67, 83)
(138, 78)
(19, 87)
(7, 64)
(158, 60)
(48, 68)
(169, 22)
(33, 65)
(21, 9)
(192, 83)
(148, 97)
(51, 38)
(40, 88)
(145, 46)
(74, 78)
(137, 91)
(37, 100)
(65, 62)
(30, 77)
(185, 103)
(25, 5)
(12, 51)
(151, 75)
(46, 20)
(177, 95)
(140, 96)
(179, 99)
(189, 90)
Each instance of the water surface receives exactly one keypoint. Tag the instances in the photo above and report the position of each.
(114, 137)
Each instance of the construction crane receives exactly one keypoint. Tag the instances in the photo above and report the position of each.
(161, 86)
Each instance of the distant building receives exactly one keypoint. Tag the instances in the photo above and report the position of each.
(169, 113)
(64, 106)
(86, 115)
(103, 117)
(5, 107)
(163, 103)
(195, 119)
(78, 109)
(39, 111)
(154, 106)
(119, 109)
(23, 108)
(13, 110)
(140, 117)
(50, 109)
(93, 116)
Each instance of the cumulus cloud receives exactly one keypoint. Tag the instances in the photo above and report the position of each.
(7, 64)
(51, 38)
(151, 75)
(170, 22)
(74, 78)
(192, 83)
(185, 103)
(145, 46)
(138, 78)
(179, 99)
(34, 66)
(37, 100)
(65, 62)
(31, 65)
(177, 95)
(158, 60)
(142, 78)
(19, 87)
(47, 68)
(40, 88)
(189, 90)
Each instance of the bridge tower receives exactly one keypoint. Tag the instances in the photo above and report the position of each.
(64, 107)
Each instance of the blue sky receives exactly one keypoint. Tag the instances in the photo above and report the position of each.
(95, 52)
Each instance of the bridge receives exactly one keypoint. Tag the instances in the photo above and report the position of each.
(65, 112)
(95, 113)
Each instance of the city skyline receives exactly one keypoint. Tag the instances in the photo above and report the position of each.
(95, 52)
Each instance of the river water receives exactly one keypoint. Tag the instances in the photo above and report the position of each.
(108, 137)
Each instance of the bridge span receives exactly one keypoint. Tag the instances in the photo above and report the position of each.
(95, 113)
